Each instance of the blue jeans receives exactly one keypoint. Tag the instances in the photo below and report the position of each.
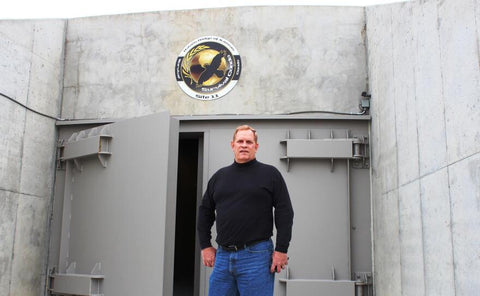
(245, 272)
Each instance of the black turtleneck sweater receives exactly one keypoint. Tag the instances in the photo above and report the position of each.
(243, 196)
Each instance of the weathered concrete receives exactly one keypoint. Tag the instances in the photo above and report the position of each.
(28, 264)
(437, 234)
(404, 61)
(457, 28)
(464, 180)
(425, 80)
(38, 156)
(31, 71)
(383, 128)
(430, 106)
(8, 210)
(294, 59)
(411, 239)
(387, 256)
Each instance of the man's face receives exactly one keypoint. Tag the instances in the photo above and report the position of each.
(244, 146)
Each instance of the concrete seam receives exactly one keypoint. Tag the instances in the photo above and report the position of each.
(13, 249)
(21, 166)
(431, 173)
(62, 84)
(439, 4)
(451, 232)
(77, 84)
(475, 9)
(365, 44)
(396, 151)
(21, 193)
(419, 8)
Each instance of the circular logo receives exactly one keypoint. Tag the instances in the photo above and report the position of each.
(208, 68)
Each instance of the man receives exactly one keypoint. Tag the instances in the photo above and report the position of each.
(241, 198)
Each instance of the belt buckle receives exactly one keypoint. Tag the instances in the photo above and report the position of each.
(232, 248)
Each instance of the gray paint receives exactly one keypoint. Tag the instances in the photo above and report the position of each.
(114, 217)
(93, 234)
(326, 234)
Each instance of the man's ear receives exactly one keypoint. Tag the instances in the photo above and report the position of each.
(232, 144)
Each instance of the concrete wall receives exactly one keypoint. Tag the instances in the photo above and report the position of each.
(425, 85)
(294, 59)
(31, 71)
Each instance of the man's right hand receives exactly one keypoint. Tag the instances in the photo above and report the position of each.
(208, 256)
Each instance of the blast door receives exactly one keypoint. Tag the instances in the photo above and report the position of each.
(124, 215)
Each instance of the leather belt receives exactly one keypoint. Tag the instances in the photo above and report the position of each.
(235, 248)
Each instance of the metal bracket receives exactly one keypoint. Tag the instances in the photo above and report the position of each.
(59, 163)
(360, 153)
(355, 148)
(363, 283)
(71, 283)
(87, 143)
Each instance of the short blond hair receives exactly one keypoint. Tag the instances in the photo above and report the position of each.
(245, 128)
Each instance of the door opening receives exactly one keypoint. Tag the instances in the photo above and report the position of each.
(185, 270)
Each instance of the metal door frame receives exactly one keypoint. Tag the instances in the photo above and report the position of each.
(196, 124)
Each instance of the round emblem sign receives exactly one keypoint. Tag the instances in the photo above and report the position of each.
(208, 68)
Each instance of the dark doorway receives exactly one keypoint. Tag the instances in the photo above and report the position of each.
(185, 229)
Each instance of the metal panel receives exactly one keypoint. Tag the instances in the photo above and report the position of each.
(120, 216)
(319, 148)
(320, 288)
(77, 284)
(125, 219)
(319, 197)
(94, 145)
(322, 246)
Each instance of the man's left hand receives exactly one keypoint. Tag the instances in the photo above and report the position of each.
(279, 261)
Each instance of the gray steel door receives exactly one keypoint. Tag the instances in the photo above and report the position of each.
(118, 207)
(330, 193)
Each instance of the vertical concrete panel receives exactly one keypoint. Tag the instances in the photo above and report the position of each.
(31, 54)
(19, 32)
(461, 77)
(465, 206)
(432, 144)
(44, 93)
(440, 41)
(8, 211)
(38, 156)
(386, 241)
(28, 263)
(15, 69)
(387, 271)
(69, 102)
(10, 144)
(438, 253)
(411, 240)
(49, 40)
(404, 62)
(14, 72)
(379, 26)
(477, 21)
